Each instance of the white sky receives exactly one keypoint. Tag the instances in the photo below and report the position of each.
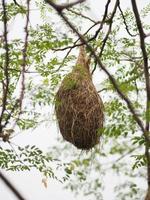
(30, 184)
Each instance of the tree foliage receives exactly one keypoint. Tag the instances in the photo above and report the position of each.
(34, 62)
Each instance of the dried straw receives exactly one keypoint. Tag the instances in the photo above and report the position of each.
(79, 109)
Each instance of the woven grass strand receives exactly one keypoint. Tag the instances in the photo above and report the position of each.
(79, 108)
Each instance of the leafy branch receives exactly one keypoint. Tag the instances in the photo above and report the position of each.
(24, 56)
(142, 36)
(111, 78)
(5, 81)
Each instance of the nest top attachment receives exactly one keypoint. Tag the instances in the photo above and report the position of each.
(79, 108)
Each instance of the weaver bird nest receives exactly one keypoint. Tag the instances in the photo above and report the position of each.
(79, 108)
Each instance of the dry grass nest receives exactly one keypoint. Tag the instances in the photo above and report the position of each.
(79, 108)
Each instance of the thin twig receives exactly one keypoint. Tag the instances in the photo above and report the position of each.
(104, 20)
(111, 78)
(125, 23)
(110, 27)
(60, 8)
(11, 187)
(101, 26)
(126, 154)
(24, 56)
(10, 114)
(75, 44)
(16, 3)
(22, 74)
(122, 156)
(15, 152)
(104, 89)
(80, 14)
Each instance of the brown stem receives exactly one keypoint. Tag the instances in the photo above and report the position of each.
(101, 26)
(6, 64)
(125, 23)
(142, 36)
(148, 195)
(111, 78)
(145, 59)
(22, 73)
(60, 8)
(11, 187)
(16, 3)
(110, 27)
(24, 56)
(80, 14)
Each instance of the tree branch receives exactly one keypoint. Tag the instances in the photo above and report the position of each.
(6, 63)
(16, 3)
(22, 73)
(104, 20)
(111, 78)
(142, 36)
(24, 55)
(110, 27)
(79, 44)
(145, 59)
(101, 26)
(80, 14)
(11, 187)
(60, 8)
(125, 23)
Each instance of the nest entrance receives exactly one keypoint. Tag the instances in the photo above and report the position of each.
(79, 109)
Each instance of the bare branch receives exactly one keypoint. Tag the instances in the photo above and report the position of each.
(101, 26)
(75, 44)
(104, 89)
(60, 8)
(11, 187)
(79, 44)
(110, 27)
(103, 21)
(16, 3)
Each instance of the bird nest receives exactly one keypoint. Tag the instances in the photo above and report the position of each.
(79, 108)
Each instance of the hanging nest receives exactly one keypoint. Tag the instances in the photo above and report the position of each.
(79, 109)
